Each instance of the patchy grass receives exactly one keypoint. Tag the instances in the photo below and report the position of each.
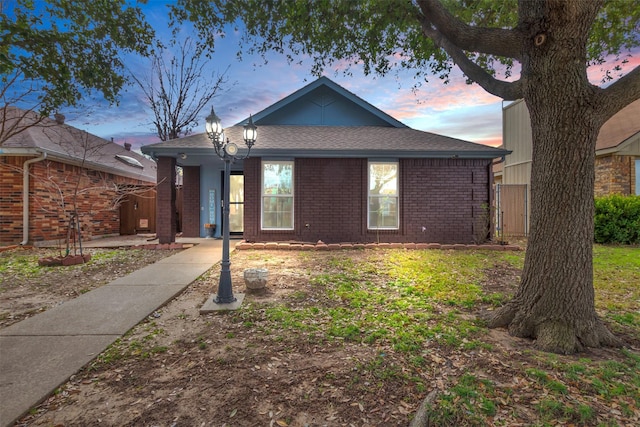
(416, 308)
(616, 279)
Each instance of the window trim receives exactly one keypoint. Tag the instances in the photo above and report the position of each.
(397, 195)
(292, 195)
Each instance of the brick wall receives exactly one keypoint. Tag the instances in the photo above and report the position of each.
(52, 187)
(191, 201)
(11, 199)
(615, 175)
(329, 199)
(166, 211)
(448, 197)
(445, 196)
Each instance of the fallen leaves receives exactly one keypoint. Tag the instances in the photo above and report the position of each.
(256, 371)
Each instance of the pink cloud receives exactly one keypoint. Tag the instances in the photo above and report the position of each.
(626, 63)
(406, 105)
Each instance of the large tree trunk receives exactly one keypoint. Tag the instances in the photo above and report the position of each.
(555, 301)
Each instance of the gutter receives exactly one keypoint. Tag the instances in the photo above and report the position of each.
(25, 197)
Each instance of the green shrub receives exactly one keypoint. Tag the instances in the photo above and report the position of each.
(617, 219)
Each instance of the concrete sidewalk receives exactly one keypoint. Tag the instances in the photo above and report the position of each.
(40, 353)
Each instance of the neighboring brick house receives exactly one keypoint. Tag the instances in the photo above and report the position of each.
(617, 164)
(52, 158)
(618, 153)
(329, 166)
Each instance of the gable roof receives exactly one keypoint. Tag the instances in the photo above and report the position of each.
(619, 128)
(298, 126)
(68, 144)
(323, 103)
(335, 141)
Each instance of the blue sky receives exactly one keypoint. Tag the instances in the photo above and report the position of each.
(456, 109)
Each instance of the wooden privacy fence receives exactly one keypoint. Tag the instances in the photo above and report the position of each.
(511, 210)
(138, 213)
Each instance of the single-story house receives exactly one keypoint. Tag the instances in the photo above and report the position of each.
(49, 166)
(617, 164)
(329, 166)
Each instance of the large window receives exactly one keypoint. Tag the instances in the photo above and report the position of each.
(277, 195)
(383, 195)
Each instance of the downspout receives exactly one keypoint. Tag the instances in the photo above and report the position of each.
(25, 197)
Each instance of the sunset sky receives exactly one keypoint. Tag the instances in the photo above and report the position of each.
(456, 109)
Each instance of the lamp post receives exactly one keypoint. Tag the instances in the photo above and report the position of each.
(227, 151)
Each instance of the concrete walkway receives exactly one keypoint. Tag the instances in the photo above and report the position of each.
(40, 353)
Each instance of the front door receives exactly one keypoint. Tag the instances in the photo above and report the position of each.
(236, 202)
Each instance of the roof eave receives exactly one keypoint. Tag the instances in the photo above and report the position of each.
(619, 147)
(65, 158)
(388, 154)
(14, 151)
(300, 153)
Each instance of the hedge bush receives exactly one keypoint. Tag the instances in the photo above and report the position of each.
(617, 219)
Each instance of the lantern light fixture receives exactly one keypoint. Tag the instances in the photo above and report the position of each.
(228, 152)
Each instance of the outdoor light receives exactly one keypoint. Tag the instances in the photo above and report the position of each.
(213, 125)
(227, 151)
(250, 133)
(231, 149)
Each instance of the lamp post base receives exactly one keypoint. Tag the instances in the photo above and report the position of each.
(211, 306)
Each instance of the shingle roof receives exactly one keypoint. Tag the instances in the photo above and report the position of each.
(336, 141)
(71, 145)
(620, 127)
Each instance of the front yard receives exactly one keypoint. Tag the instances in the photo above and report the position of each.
(360, 337)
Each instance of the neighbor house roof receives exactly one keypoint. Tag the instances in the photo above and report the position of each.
(70, 145)
(619, 128)
(334, 141)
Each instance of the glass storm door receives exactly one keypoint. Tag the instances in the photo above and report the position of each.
(236, 203)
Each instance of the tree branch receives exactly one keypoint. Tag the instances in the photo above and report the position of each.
(492, 41)
(620, 94)
(509, 91)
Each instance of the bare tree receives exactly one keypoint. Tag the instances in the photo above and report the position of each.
(15, 91)
(179, 89)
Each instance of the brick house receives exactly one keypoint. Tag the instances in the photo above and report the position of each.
(40, 168)
(618, 153)
(617, 164)
(329, 166)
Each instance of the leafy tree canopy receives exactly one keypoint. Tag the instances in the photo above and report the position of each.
(384, 35)
(58, 50)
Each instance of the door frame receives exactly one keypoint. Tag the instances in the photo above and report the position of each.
(223, 188)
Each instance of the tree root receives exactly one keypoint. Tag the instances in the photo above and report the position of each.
(562, 336)
(421, 418)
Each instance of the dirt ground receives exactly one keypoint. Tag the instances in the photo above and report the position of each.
(180, 368)
(22, 296)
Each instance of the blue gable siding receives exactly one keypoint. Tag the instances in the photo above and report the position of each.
(323, 103)
(322, 107)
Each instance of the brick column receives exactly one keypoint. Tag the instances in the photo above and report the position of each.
(191, 201)
(251, 167)
(166, 204)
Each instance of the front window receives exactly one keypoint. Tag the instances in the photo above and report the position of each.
(383, 196)
(277, 195)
